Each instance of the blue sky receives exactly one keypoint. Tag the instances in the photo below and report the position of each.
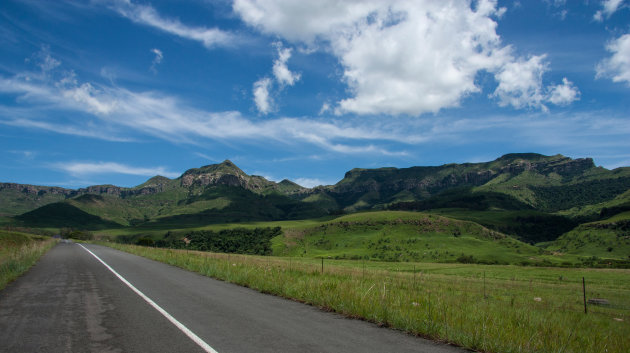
(116, 91)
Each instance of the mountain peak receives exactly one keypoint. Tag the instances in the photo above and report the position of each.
(286, 186)
(225, 167)
(156, 180)
(224, 173)
(525, 156)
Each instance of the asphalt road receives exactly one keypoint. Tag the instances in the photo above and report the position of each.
(71, 302)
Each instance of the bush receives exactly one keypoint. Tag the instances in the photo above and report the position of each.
(145, 241)
(67, 233)
(466, 259)
(239, 240)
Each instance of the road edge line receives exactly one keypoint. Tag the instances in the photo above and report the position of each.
(201, 343)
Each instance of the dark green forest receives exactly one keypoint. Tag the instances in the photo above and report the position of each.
(255, 241)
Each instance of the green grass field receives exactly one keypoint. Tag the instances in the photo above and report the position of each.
(18, 252)
(400, 236)
(480, 307)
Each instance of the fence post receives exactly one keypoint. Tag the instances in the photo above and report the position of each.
(584, 292)
(322, 264)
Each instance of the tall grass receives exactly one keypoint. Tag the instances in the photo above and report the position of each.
(18, 252)
(484, 313)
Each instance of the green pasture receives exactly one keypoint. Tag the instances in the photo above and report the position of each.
(479, 307)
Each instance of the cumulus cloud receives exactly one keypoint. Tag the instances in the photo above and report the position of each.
(262, 98)
(608, 8)
(148, 16)
(401, 57)
(520, 86)
(263, 89)
(563, 94)
(281, 72)
(157, 59)
(616, 67)
(89, 168)
(520, 83)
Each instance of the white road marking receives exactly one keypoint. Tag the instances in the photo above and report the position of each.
(170, 318)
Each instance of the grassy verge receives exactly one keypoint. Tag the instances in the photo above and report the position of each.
(18, 252)
(484, 308)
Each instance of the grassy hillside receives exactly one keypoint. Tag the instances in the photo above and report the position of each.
(546, 183)
(529, 226)
(384, 235)
(605, 239)
(61, 214)
(407, 236)
(497, 211)
(397, 236)
(18, 252)
(17, 201)
(596, 211)
(174, 207)
(225, 204)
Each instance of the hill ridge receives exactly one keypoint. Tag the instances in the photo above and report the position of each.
(528, 181)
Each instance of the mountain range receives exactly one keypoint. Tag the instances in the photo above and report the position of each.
(533, 197)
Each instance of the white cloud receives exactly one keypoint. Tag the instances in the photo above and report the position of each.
(263, 89)
(156, 60)
(262, 98)
(401, 57)
(310, 182)
(563, 94)
(281, 72)
(115, 113)
(112, 113)
(82, 169)
(102, 133)
(521, 86)
(47, 63)
(147, 15)
(95, 100)
(325, 108)
(304, 21)
(158, 55)
(617, 66)
(520, 83)
(608, 8)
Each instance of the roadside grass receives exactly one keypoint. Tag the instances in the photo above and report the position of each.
(18, 252)
(484, 308)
